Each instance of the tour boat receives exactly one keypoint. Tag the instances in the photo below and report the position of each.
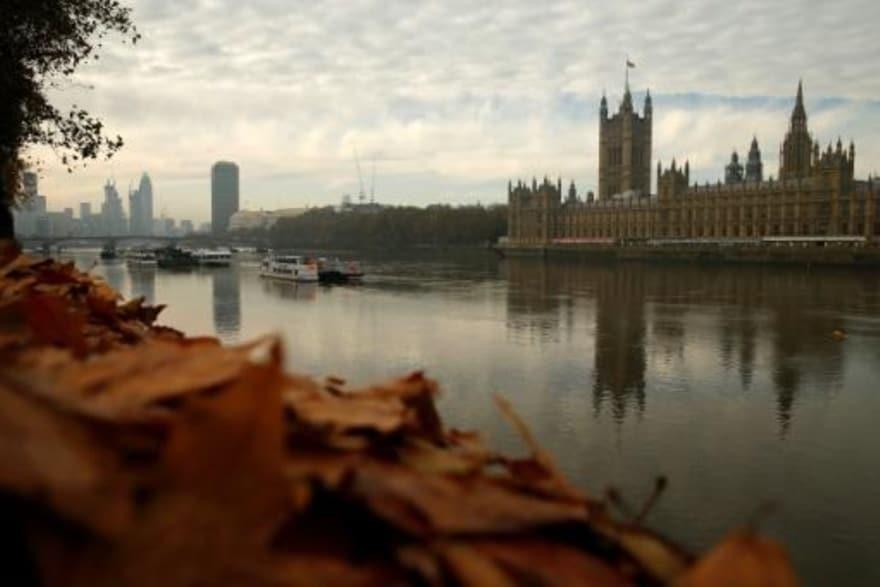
(337, 271)
(213, 257)
(108, 252)
(141, 257)
(175, 258)
(290, 268)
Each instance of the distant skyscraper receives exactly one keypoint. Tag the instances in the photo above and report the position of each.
(40, 206)
(135, 222)
(145, 190)
(112, 217)
(140, 207)
(86, 220)
(34, 205)
(224, 195)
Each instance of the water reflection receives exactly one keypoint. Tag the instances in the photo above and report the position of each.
(226, 295)
(289, 290)
(619, 367)
(114, 274)
(677, 316)
(143, 282)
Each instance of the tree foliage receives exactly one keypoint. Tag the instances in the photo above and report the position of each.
(42, 42)
(404, 226)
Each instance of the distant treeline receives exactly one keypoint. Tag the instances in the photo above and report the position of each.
(404, 226)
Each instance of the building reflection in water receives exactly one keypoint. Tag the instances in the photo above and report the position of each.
(114, 275)
(226, 291)
(754, 318)
(143, 282)
(619, 367)
(533, 299)
(540, 299)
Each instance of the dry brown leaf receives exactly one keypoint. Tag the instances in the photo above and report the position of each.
(658, 556)
(542, 563)
(426, 457)
(743, 559)
(52, 322)
(430, 504)
(52, 459)
(349, 413)
(124, 382)
(542, 473)
(216, 500)
(471, 568)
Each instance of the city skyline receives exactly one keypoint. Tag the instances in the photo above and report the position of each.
(447, 119)
(41, 217)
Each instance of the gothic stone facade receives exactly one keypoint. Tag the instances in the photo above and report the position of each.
(815, 194)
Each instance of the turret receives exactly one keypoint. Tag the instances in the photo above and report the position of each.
(603, 108)
(649, 109)
(733, 173)
(673, 182)
(754, 166)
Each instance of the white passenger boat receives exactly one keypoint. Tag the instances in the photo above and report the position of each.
(290, 268)
(213, 257)
(141, 257)
(337, 271)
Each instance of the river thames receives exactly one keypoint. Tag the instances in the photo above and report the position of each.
(728, 380)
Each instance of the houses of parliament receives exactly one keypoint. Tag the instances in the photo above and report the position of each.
(814, 197)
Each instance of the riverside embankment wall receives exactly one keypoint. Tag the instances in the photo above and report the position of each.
(829, 255)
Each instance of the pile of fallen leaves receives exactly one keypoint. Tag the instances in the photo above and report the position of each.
(133, 455)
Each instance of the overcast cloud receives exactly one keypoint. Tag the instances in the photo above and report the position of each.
(452, 98)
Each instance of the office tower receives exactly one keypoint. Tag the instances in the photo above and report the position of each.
(112, 217)
(140, 207)
(86, 220)
(224, 195)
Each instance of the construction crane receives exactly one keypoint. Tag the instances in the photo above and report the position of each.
(361, 195)
(373, 182)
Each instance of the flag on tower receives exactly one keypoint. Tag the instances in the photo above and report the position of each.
(630, 63)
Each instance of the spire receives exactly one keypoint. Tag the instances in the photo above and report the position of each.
(603, 106)
(627, 99)
(799, 113)
(649, 108)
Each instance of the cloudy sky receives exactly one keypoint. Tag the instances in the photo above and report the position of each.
(452, 98)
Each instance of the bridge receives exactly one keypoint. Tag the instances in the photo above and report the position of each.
(197, 239)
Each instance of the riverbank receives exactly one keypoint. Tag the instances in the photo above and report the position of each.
(839, 256)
